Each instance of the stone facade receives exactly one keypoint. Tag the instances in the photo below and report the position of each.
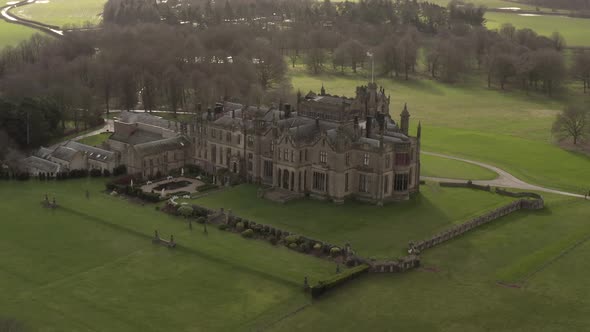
(329, 147)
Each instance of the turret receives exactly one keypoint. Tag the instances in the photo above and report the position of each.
(323, 90)
(405, 120)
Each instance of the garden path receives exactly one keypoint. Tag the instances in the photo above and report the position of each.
(504, 178)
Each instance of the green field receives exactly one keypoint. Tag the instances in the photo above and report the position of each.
(63, 12)
(453, 169)
(12, 34)
(575, 30)
(457, 289)
(377, 232)
(95, 140)
(90, 265)
(511, 130)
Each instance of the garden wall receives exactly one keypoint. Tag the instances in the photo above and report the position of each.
(528, 204)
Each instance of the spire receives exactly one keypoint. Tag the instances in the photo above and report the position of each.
(405, 111)
(419, 134)
(405, 120)
(323, 90)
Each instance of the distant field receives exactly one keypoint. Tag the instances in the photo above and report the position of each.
(12, 34)
(381, 232)
(490, 4)
(575, 30)
(63, 12)
(90, 266)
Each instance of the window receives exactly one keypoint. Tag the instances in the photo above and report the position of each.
(305, 154)
(400, 182)
(347, 158)
(250, 164)
(220, 155)
(213, 133)
(387, 161)
(286, 155)
(363, 183)
(250, 141)
(323, 157)
(402, 159)
(272, 146)
(279, 156)
(228, 137)
(267, 168)
(319, 181)
(345, 182)
(366, 159)
(292, 157)
(386, 184)
(300, 155)
(239, 139)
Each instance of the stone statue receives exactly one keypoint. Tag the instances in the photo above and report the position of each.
(131, 184)
(305, 282)
(163, 193)
(156, 236)
(182, 171)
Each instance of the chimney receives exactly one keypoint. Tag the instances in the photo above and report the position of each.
(381, 121)
(287, 111)
(368, 126)
(233, 114)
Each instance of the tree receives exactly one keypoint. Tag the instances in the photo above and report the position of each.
(581, 69)
(572, 123)
(558, 41)
(315, 60)
(185, 210)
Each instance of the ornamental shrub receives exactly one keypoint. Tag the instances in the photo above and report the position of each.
(273, 240)
(293, 246)
(292, 239)
(248, 233)
(95, 173)
(240, 226)
(317, 246)
(305, 247)
(222, 227)
(335, 251)
(201, 220)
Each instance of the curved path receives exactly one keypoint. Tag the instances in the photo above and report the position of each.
(11, 18)
(504, 179)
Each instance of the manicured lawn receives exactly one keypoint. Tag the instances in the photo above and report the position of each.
(453, 169)
(534, 161)
(490, 4)
(63, 12)
(575, 30)
(381, 232)
(458, 290)
(95, 140)
(90, 265)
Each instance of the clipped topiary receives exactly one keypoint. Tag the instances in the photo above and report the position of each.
(335, 251)
(248, 233)
(293, 246)
(317, 246)
(240, 226)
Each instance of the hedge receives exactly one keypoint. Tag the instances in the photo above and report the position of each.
(338, 279)
(206, 186)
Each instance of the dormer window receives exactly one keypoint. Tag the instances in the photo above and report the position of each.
(323, 157)
(366, 159)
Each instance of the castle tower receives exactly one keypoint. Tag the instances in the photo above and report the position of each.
(405, 120)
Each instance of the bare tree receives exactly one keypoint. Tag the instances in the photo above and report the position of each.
(572, 123)
(581, 69)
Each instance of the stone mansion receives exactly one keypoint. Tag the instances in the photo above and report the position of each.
(327, 147)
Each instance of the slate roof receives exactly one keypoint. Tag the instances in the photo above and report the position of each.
(138, 136)
(91, 152)
(64, 153)
(147, 118)
(43, 152)
(162, 145)
(41, 164)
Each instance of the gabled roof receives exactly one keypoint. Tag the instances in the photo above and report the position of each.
(147, 118)
(91, 152)
(41, 164)
(64, 153)
(137, 136)
(163, 145)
